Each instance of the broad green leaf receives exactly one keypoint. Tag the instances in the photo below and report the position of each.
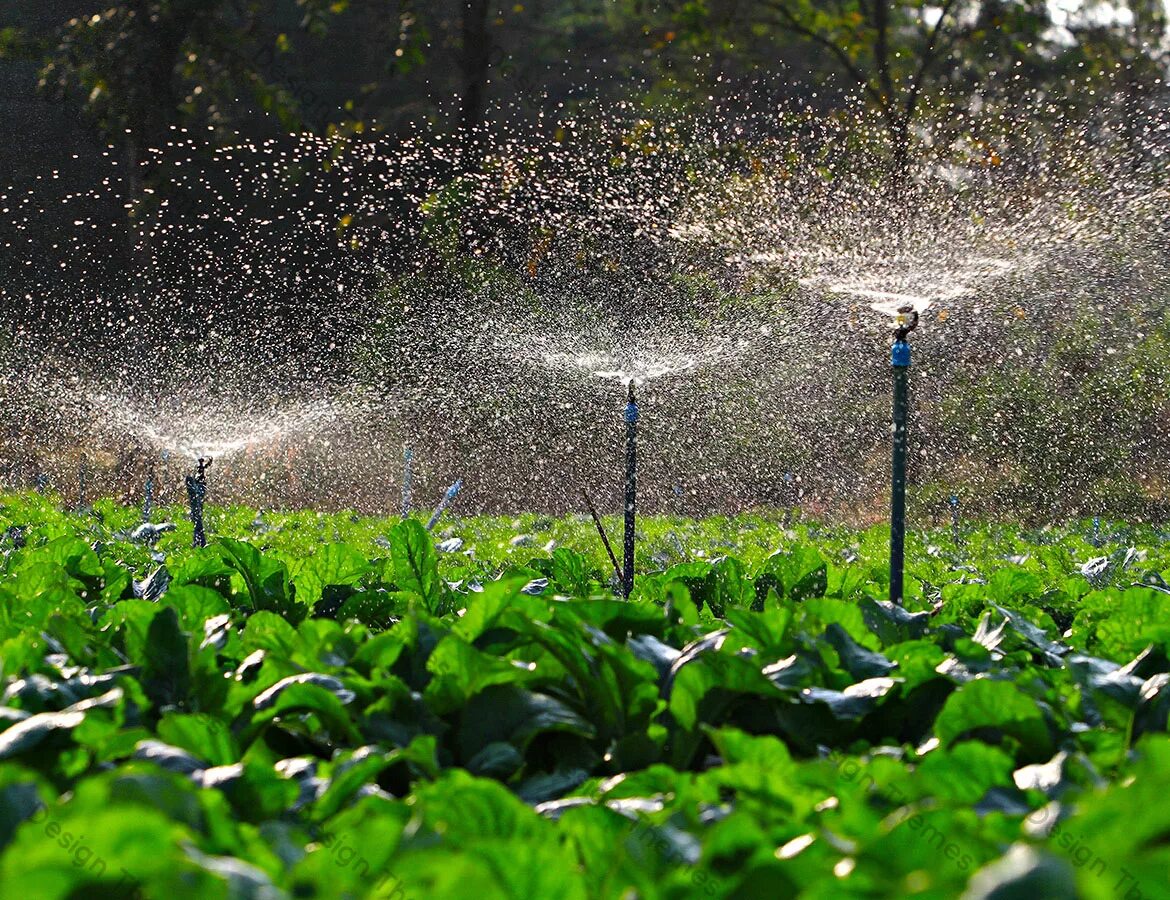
(986, 709)
(333, 564)
(265, 579)
(206, 737)
(416, 565)
(460, 672)
(485, 608)
(166, 669)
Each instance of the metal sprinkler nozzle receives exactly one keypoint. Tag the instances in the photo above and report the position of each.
(204, 464)
(904, 327)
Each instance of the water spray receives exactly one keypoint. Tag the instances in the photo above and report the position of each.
(954, 501)
(82, 475)
(617, 569)
(790, 498)
(906, 322)
(148, 498)
(407, 480)
(452, 491)
(631, 490)
(196, 494)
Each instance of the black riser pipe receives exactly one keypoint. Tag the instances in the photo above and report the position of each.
(900, 365)
(196, 492)
(898, 485)
(196, 495)
(631, 491)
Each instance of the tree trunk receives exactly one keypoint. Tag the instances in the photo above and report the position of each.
(475, 66)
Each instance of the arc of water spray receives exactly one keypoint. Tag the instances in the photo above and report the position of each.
(452, 492)
(900, 361)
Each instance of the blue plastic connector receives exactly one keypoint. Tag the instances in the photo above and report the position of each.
(631, 412)
(900, 355)
(452, 491)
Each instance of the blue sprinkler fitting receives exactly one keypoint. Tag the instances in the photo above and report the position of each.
(900, 354)
(632, 409)
(452, 491)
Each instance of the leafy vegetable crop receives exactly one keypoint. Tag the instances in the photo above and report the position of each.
(324, 706)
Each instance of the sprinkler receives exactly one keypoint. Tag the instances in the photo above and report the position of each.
(452, 491)
(196, 494)
(407, 480)
(631, 490)
(906, 322)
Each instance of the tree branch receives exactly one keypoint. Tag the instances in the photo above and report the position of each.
(793, 24)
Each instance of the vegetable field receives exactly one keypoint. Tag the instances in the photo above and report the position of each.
(326, 706)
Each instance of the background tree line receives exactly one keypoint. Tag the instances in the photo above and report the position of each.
(131, 69)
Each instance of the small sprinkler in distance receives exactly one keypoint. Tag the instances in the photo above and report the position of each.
(905, 323)
(196, 494)
(407, 481)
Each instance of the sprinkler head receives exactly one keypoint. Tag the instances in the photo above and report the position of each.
(906, 321)
(631, 414)
(204, 465)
